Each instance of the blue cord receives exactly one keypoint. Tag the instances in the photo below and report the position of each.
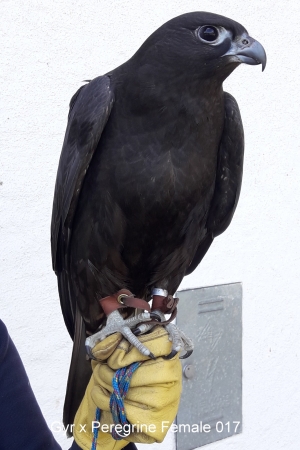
(120, 383)
(96, 430)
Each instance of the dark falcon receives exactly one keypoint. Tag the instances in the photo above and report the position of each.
(150, 173)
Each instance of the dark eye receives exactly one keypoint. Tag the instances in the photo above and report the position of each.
(208, 33)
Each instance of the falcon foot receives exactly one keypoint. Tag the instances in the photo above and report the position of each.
(179, 340)
(115, 323)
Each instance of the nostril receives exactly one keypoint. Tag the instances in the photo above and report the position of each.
(245, 41)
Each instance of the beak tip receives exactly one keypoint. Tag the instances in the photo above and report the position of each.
(253, 54)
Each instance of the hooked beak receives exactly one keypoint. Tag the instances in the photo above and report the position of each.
(249, 51)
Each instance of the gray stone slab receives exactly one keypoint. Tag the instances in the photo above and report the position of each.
(211, 403)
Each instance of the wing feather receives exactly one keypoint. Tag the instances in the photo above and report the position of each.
(90, 108)
(228, 179)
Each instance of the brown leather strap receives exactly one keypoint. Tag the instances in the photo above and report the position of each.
(164, 304)
(122, 299)
(167, 305)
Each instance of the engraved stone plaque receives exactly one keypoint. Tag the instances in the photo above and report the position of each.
(211, 402)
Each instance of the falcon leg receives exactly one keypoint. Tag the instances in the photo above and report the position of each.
(115, 323)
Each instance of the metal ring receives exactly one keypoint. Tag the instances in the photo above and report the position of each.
(119, 298)
(159, 291)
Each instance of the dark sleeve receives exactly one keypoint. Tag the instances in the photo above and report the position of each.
(22, 425)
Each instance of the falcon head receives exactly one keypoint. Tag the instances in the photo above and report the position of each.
(202, 44)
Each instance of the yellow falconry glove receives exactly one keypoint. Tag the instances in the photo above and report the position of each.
(151, 402)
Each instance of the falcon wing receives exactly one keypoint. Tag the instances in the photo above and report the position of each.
(228, 179)
(90, 108)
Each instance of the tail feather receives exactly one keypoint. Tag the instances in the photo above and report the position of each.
(79, 374)
(67, 306)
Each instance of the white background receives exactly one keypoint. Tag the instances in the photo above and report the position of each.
(47, 49)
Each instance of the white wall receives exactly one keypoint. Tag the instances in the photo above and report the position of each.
(47, 49)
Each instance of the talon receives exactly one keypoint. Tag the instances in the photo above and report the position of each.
(180, 341)
(88, 350)
(151, 355)
(137, 332)
(170, 355)
(142, 329)
(186, 355)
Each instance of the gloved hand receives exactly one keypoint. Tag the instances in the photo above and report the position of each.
(151, 403)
